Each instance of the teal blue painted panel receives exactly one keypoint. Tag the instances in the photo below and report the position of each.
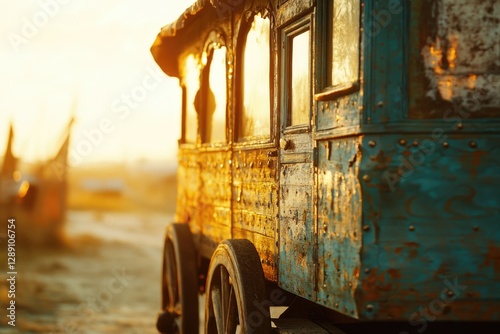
(296, 230)
(339, 224)
(431, 214)
(343, 112)
(385, 62)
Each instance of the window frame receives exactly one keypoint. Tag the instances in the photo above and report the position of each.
(215, 40)
(183, 141)
(246, 25)
(324, 36)
(287, 34)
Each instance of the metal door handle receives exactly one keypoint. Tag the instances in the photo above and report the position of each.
(284, 144)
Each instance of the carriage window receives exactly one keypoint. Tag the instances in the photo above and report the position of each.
(345, 41)
(256, 110)
(216, 97)
(192, 84)
(300, 89)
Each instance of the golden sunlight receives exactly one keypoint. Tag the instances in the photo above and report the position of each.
(89, 61)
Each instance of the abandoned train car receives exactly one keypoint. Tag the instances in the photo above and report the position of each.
(344, 151)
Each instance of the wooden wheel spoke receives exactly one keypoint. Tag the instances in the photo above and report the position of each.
(225, 291)
(218, 309)
(232, 313)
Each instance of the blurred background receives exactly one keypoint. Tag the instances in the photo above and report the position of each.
(88, 138)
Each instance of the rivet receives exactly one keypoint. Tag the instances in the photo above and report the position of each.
(251, 164)
(476, 228)
(336, 304)
(402, 142)
(411, 228)
(460, 126)
(445, 144)
(380, 104)
(369, 119)
(369, 307)
(366, 228)
(473, 144)
(449, 293)
(372, 143)
(415, 143)
(366, 178)
(367, 270)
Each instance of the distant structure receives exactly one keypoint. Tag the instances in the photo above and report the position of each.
(36, 195)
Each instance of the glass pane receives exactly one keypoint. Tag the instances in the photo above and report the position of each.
(216, 104)
(192, 83)
(301, 83)
(345, 41)
(256, 113)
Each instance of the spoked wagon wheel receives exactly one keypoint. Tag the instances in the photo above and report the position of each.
(236, 292)
(179, 283)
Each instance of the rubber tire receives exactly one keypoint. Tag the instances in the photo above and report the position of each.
(180, 312)
(239, 259)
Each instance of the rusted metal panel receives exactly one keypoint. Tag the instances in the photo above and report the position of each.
(188, 186)
(339, 224)
(430, 226)
(255, 203)
(266, 247)
(214, 204)
(454, 58)
(297, 268)
(343, 113)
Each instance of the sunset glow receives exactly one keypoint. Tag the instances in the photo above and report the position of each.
(90, 60)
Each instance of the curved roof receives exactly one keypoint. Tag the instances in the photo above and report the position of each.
(166, 46)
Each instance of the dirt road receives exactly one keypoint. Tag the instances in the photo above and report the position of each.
(106, 280)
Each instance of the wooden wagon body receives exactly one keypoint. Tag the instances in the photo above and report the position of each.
(355, 143)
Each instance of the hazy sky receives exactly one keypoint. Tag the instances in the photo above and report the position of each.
(90, 57)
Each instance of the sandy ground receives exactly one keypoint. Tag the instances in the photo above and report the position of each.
(107, 280)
